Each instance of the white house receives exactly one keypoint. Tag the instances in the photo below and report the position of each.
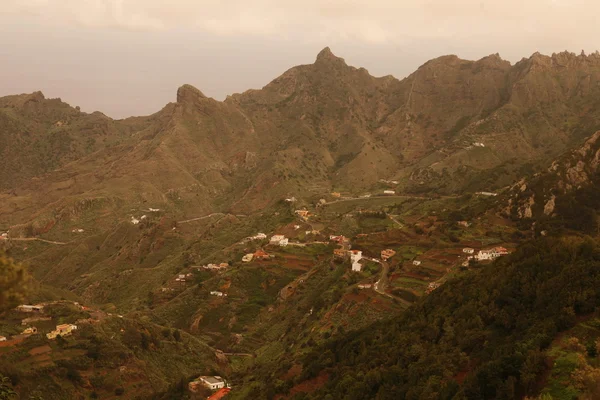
(248, 257)
(468, 250)
(212, 382)
(2, 338)
(216, 293)
(154, 209)
(389, 192)
(134, 220)
(416, 262)
(284, 242)
(355, 256)
(487, 194)
(259, 236)
(478, 144)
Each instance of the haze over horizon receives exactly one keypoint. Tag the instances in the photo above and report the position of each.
(127, 57)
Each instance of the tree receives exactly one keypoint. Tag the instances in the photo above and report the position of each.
(13, 283)
(6, 391)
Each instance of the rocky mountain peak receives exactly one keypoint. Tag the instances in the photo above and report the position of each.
(325, 56)
(189, 94)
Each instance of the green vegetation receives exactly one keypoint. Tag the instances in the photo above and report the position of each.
(504, 317)
(13, 283)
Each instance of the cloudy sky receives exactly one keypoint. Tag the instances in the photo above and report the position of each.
(127, 57)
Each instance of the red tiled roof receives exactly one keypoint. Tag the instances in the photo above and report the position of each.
(219, 394)
(260, 253)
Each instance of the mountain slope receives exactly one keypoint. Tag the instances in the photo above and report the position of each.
(482, 336)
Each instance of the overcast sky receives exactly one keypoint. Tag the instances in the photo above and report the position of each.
(127, 57)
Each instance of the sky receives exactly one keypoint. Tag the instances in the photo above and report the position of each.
(128, 57)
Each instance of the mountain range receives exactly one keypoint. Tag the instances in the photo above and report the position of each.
(111, 211)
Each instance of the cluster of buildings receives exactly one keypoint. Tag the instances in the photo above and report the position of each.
(257, 255)
(491, 254)
(354, 255)
(183, 277)
(489, 194)
(62, 330)
(279, 240)
(484, 255)
(38, 308)
(303, 214)
(214, 267)
(338, 239)
(387, 254)
(432, 286)
(258, 236)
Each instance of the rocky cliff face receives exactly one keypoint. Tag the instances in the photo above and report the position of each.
(536, 196)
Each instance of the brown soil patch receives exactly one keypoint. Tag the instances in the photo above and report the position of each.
(308, 386)
(293, 372)
(40, 350)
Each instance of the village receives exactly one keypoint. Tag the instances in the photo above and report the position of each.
(404, 269)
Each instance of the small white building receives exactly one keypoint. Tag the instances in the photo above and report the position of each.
(259, 236)
(284, 242)
(154, 209)
(248, 257)
(389, 192)
(416, 262)
(355, 256)
(212, 382)
(468, 250)
(487, 194)
(365, 285)
(2, 338)
(134, 220)
(217, 293)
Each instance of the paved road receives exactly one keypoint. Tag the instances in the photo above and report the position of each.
(199, 218)
(38, 239)
(390, 197)
(382, 284)
(393, 218)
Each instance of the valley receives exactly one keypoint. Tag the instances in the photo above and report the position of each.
(331, 235)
